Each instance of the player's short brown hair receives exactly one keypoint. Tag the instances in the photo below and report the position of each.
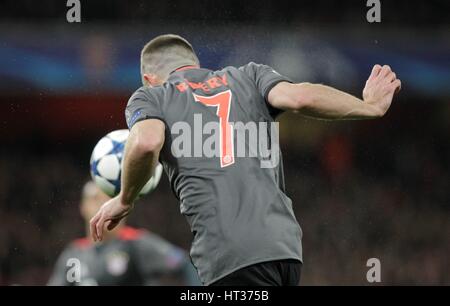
(165, 53)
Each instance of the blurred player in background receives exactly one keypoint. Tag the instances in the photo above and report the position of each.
(127, 256)
(245, 230)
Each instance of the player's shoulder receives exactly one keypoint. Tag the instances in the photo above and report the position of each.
(145, 237)
(251, 64)
(233, 69)
(153, 245)
(253, 67)
(227, 69)
(129, 233)
(145, 93)
(239, 72)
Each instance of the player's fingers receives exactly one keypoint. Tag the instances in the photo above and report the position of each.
(375, 71)
(397, 85)
(112, 224)
(99, 227)
(392, 76)
(385, 70)
(93, 227)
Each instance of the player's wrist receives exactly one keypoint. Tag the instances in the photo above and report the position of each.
(372, 109)
(124, 200)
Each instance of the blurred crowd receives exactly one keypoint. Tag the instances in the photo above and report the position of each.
(360, 190)
(250, 11)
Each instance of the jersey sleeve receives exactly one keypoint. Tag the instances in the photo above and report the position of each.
(265, 78)
(142, 105)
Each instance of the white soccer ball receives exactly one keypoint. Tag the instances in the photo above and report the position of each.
(106, 164)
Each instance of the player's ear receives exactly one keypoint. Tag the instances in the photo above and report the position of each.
(150, 79)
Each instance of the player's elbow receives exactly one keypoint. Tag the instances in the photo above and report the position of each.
(288, 96)
(147, 137)
(303, 96)
(146, 144)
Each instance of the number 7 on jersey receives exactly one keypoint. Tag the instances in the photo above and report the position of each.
(223, 103)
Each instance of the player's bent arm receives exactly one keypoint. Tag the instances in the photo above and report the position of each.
(141, 157)
(324, 102)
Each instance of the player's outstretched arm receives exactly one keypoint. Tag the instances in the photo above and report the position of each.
(324, 102)
(140, 160)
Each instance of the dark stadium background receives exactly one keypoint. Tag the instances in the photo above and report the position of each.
(360, 189)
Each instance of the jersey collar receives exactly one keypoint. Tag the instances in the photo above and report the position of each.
(188, 67)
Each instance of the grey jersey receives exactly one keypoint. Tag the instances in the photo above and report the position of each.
(238, 211)
(134, 257)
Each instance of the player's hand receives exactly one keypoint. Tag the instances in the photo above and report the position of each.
(380, 88)
(110, 215)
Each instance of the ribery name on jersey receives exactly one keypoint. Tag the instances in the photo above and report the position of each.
(227, 142)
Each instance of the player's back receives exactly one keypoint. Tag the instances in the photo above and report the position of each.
(218, 134)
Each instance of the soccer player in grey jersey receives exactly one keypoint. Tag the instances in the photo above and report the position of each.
(127, 256)
(245, 231)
